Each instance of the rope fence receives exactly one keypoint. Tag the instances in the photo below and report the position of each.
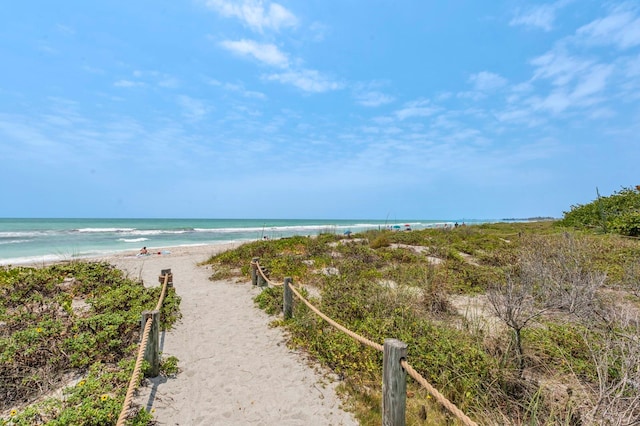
(394, 383)
(133, 382)
(150, 323)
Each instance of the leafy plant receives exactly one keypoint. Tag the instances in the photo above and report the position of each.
(45, 336)
(619, 212)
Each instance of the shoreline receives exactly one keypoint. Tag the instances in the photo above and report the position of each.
(189, 249)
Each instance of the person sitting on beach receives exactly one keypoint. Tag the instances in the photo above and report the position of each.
(143, 250)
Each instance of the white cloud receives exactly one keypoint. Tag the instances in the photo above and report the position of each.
(169, 83)
(593, 82)
(620, 28)
(254, 14)
(128, 83)
(540, 16)
(473, 95)
(93, 70)
(237, 88)
(318, 31)
(421, 108)
(152, 78)
(65, 29)
(485, 81)
(559, 66)
(632, 67)
(193, 109)
(556, 102)
(307, 80)
(266, 53)
(373, 98)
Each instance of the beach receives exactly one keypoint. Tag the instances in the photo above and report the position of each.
(234, 368)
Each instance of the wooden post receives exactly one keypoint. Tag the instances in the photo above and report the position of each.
(394, 383)
(164, 272)
(254, 270)
(287, 302)
(152, 351)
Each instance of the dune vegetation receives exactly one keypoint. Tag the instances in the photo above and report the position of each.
(515, 323)
(68, 341)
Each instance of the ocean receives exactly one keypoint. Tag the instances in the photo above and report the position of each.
(46, 240)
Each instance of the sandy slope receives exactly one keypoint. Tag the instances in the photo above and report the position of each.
(235, 370)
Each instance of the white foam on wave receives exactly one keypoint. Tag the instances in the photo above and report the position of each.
(158, 231)
(22, 234)
(132, 240)
(14, 242)
(33, 259)
(87, 230)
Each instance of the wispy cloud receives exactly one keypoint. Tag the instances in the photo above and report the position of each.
(65, 29)
(128, 83)
(93, 70)
(254, 14)
(264, 52)
(372, 98)
(593, 82)
(307, 80)
(486, 81)
(193, 109)
(237, 88)
(621, 28)
(420, 108)
(157, 78)
(318, 31)
(540, 16)
(559, 66)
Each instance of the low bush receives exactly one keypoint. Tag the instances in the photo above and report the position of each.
(44, 337)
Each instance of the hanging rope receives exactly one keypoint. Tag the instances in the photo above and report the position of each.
(437, 395)
(345, 330)
(408, 368)
(133, 382)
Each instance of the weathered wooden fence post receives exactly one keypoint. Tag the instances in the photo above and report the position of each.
(164, 272)
(394, 383)
(262, 273)
(287, 302)
(254, 270)
(152, 351)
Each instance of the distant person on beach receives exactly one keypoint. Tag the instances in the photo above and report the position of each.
(144, 250)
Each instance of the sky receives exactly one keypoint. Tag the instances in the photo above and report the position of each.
(333, 109)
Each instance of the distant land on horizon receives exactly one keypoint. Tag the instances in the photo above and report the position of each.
(531, 219)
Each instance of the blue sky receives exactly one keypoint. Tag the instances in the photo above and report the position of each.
(316, 109)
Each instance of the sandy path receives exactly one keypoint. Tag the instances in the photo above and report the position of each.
(235, 370)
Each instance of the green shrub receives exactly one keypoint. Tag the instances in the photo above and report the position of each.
(381, 240)
(42, 338)
(619, 212)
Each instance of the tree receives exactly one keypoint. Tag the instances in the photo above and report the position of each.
(514, 303)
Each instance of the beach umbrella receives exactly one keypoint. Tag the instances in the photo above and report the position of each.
(347, 232)
(396, 227)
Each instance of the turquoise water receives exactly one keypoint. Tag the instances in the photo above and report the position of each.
(44, 240)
